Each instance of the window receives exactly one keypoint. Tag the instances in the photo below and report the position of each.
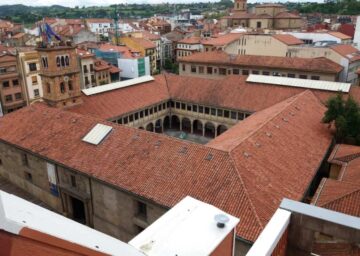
(219, 112)
(67, 61)
(24, 159)
(183, 106)
(136, 116)
(141, 114)
(141, 209)
(32, 66)
(58, 62)
(8, 98)
(86, 80)
(91, 67)
(209, 70)
(48, 88)
(291, 75)
(70, 84)
(245, 72)
(73, 180)
(240, 116)
(258, 24)
(34, 80)
(226, 113)
(2, 70)
(177, 104)
(201, 109)
(36, 93)
(85, 69)
(233, 115)
(188, 107)
(44, 62)
(160, 107)
(255, 72)
(266, 73)
(28, 176)
(18, 96)
(150, 111)
(207, 110)
(15, 82)
(193, 69)
(62, 87)
(201, 70)
(126, 120)
(146, 112)
(155, 109)
(6, 84)
(194, 107)
(222, 71)
(183, 67)
(236, 71)
(213, 111)
(315, 77)
(131, 118)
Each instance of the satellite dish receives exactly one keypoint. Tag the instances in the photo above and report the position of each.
(66, 79)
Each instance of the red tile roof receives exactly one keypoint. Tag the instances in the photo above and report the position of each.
(150, 36)
(100, 65)
(232, 92)
(321, 64)
(335, 249)
(191, 40)
(99, 20)
(288, 39)
(125, 51)
(347, 51)
(223, 39)
(340, 35)
(147, 44)
(247, 187)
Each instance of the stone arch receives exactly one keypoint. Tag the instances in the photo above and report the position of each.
(175, 122)
(186, 125)
(198, 127)
(221, 129)
(209, 130)
(141, 128)
(150, 127)
(158, 126)
(166, 122)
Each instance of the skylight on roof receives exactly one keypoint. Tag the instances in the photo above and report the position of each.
(97, 134)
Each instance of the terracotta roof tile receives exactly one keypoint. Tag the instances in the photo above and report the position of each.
(223, 39)
(99, 20)
(288, 39)
(321, 64)
(347, 51)
(191, 40)
(339, 35)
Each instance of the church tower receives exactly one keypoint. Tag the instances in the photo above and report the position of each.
(60, 75)
(240, 6)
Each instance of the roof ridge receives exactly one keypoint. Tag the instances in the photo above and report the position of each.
(245, 191)
(259, 127)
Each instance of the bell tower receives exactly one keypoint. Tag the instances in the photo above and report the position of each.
(60, 75)
(240, 6)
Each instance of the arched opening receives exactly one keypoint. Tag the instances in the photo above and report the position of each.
(141, 128)
(198, 127)
(186, 125)
(158, 126)
(67, 61)
(175, 122)
(166, 122)
(62, 87)
(150, 127)
(57, 61)
(221, 129)
(209, 130)
(62, 61)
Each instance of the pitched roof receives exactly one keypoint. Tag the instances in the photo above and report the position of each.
(288, 39)
(228, 180)
(232, 92)
(100, 65)
(258, 145)
(223, 39)
(347, 51)
(147, 44)
(338, 196)
(126, 52)
(321, 64)
(150, 36)
(99, 20)
(190, 40)
(339, 35)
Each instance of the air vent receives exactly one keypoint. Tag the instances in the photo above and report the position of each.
(209, 157)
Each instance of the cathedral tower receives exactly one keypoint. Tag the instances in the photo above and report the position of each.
(60, 75)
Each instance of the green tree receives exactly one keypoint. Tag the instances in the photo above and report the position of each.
(345, 114)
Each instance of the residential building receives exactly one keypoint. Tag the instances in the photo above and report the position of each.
(29, 68)
(156, 25)
(102, 72)
(266, 16)
(101, 27)
(174, 37)
(188, 46)
(77, 35)
(60, 75)
(17, 40)
(146, 49)
(314, 37)
(167, 51)
(11, 89)
(228, 43)
(218, 64)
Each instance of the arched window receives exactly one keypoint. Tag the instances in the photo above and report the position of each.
(58, 62)
(62, 87)
(67, 61)
(62, 61)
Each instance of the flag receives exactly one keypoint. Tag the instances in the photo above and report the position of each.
(50, 32)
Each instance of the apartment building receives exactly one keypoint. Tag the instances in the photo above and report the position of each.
(146, 48)
(101, 27)
(29, 68)
(11, 89)
(218, 64)
(188, 46)
(228, 43)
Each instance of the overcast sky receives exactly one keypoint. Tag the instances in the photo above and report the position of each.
(72, 3)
